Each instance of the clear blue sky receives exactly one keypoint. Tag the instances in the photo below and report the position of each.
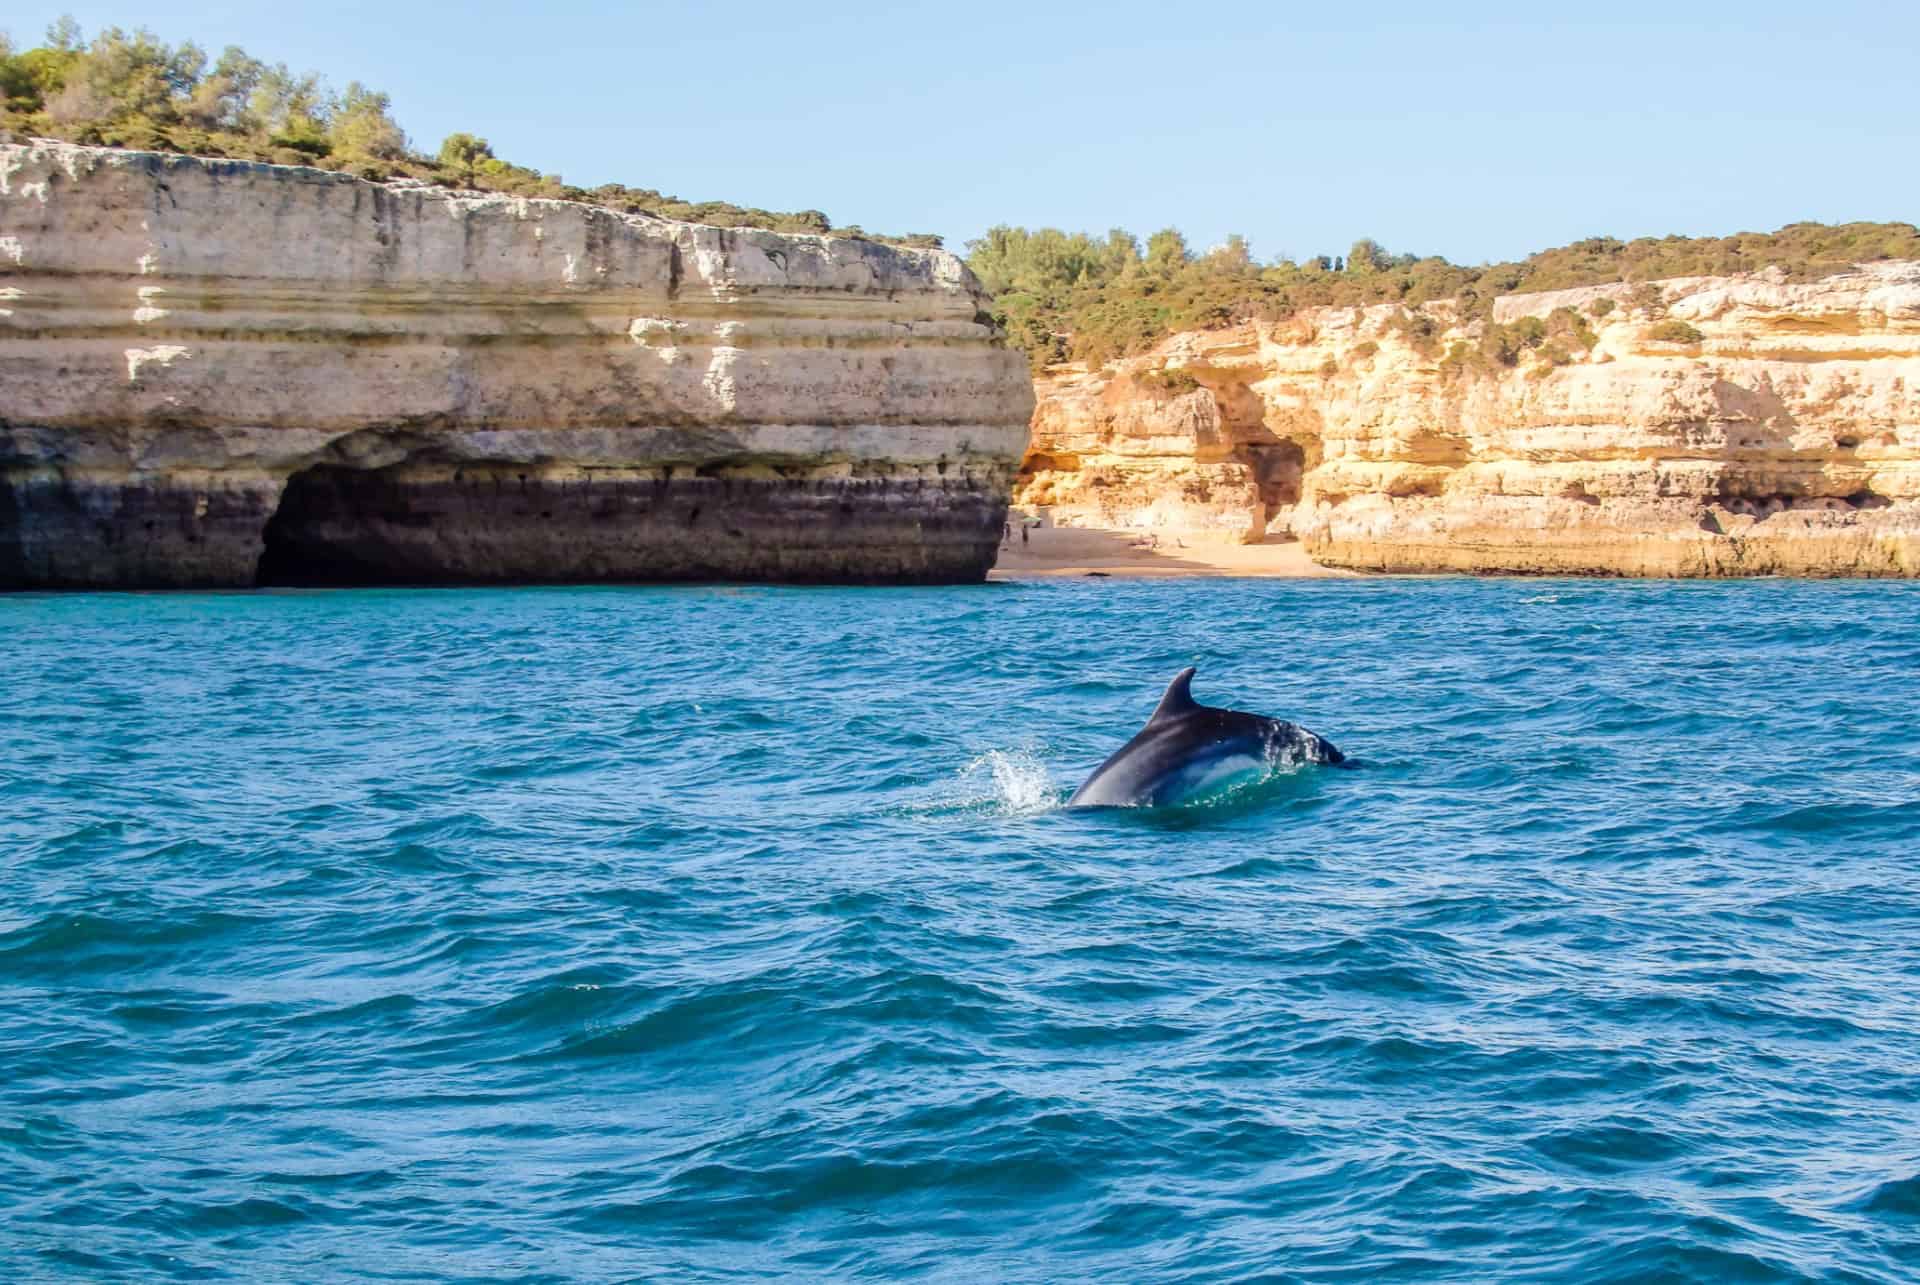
(1425, 126)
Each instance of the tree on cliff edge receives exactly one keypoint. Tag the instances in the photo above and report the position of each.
(463, 153)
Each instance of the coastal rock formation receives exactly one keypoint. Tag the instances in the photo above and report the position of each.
(221, 373)
(1699, 427)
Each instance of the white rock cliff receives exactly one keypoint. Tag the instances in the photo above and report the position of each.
(1774, 429)
(226, 373)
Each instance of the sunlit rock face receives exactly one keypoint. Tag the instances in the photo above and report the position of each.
(1747, 426)
(220, 373)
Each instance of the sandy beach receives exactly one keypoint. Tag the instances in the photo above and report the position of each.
(1079, 551)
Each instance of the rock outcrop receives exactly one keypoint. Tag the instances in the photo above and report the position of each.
(219, 373)
(1711, 426)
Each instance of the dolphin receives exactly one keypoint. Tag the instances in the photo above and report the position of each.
(1189, 749)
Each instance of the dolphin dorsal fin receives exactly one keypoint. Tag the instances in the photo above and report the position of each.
(1178, 700)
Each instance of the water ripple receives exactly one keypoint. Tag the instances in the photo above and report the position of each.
(742, 932)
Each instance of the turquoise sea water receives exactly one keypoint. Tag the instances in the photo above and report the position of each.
(733, 933)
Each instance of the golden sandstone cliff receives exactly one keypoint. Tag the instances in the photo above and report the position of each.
(222, 373)
(1705, 427)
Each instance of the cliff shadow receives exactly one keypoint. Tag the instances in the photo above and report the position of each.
(1756, 418)
(426, 523)
(13, 561)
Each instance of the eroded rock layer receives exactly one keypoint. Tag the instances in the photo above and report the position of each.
(220, 373)
(1708, 427)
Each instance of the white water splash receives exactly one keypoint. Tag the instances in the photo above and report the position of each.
(1021, 783)
(999, 783)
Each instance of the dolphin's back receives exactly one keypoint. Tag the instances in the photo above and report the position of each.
(1187, 747)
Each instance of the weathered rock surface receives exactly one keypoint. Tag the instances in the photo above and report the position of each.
(221, 373)
(1785, 439)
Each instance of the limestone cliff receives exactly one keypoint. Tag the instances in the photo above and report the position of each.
(225, 373)
(1713, 426)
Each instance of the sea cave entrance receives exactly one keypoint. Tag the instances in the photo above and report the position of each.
(1278, 468)
(335, 527)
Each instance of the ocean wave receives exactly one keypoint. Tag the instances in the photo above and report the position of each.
(423, 935)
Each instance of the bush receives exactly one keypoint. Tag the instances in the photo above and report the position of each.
(1498, 347)
(1601, 307)
(1647, 298)
(1505, 345)
(1177, 382)
(1528, 332)
(1421, 332)
(1675, 332)
(1564, 324)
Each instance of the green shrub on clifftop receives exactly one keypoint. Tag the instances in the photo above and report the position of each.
(124, 89)
(1070, 295)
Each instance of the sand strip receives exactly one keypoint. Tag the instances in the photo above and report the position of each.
(1080, 551)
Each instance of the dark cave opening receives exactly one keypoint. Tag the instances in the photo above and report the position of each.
(1278, 468)
(330, 531)
(424, 521)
